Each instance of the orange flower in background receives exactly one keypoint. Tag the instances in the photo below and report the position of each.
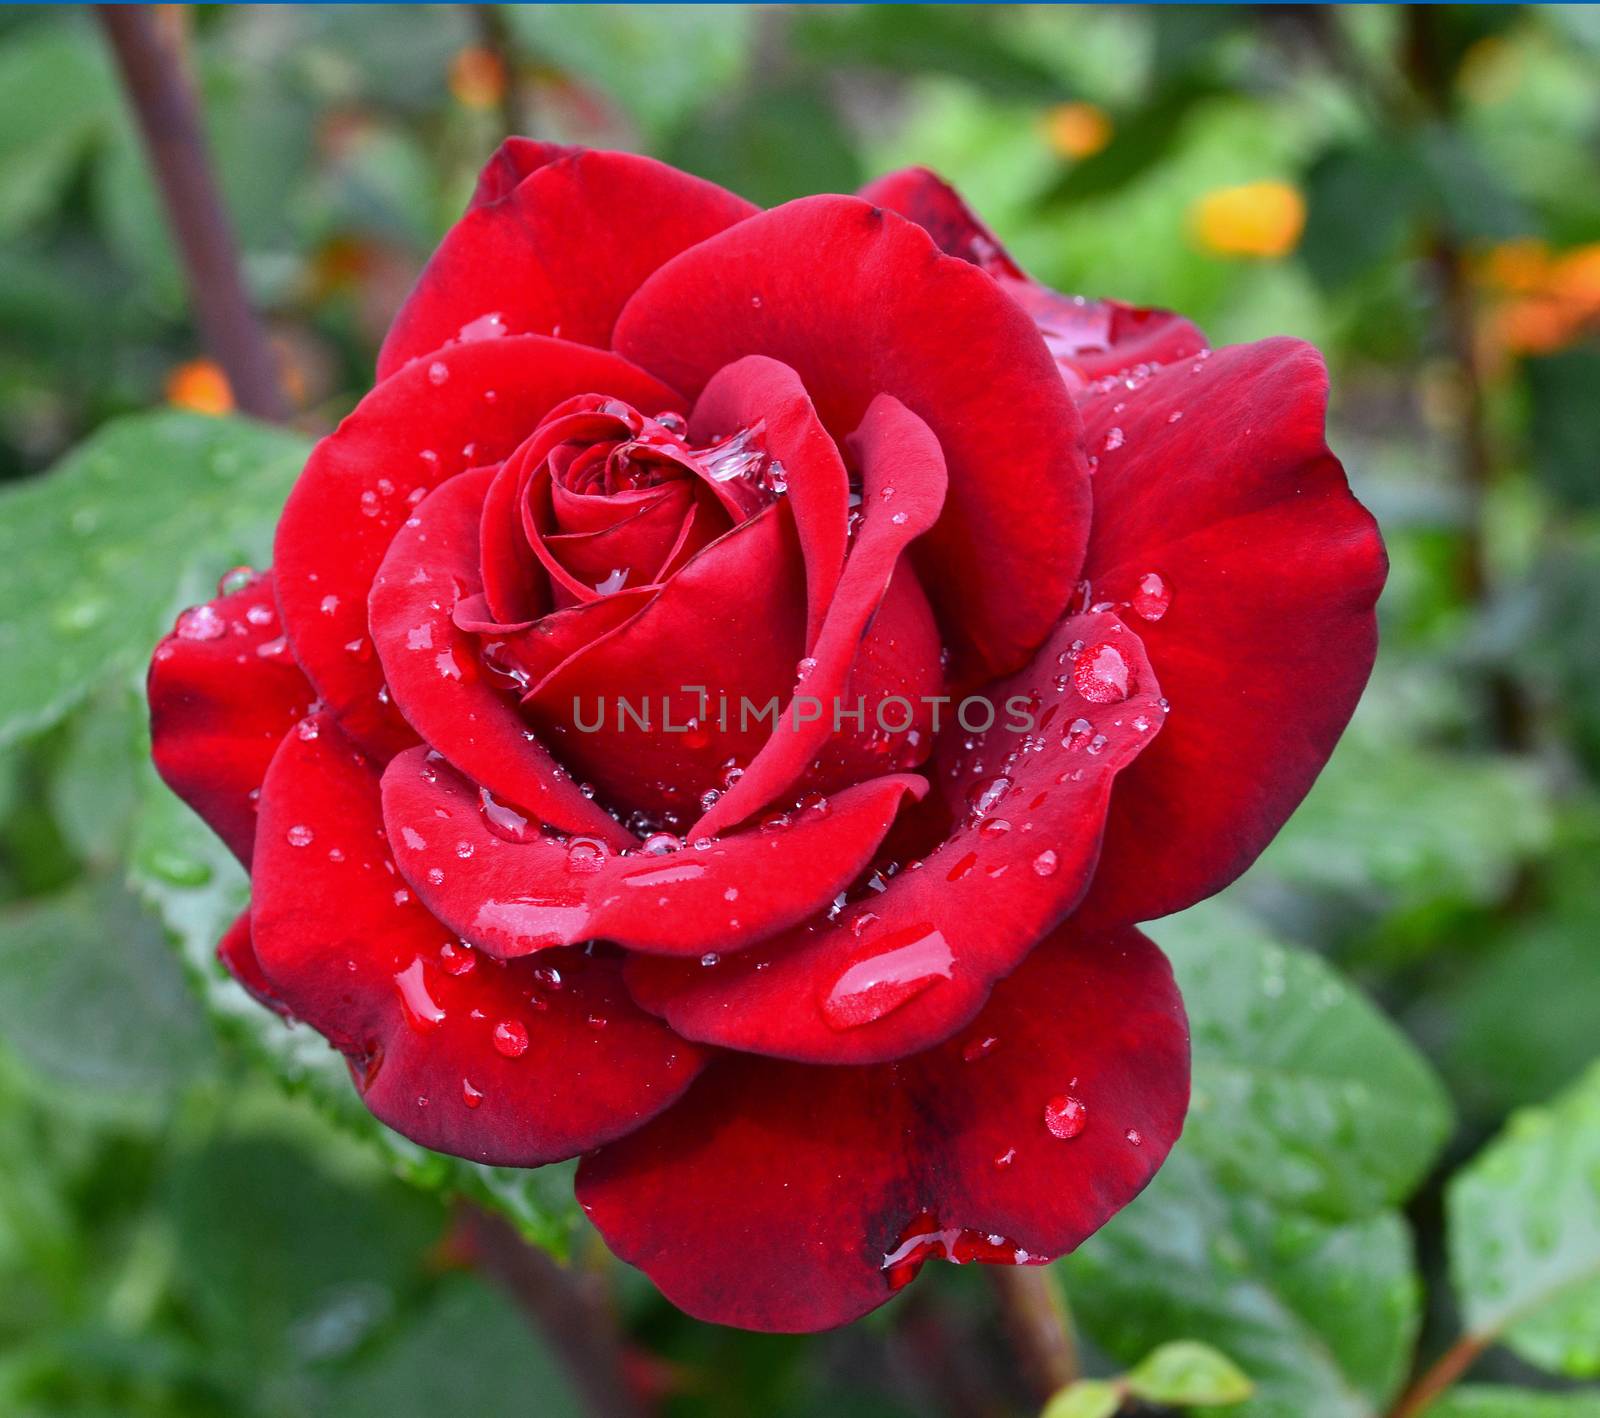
(477, 77)
(1546, 300)
(1260, 219)
(1077, 130)
(199, 386)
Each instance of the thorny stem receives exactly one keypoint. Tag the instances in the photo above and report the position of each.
(1034, 1314)
(1445, 1370)
(150, 59)
(568, 1310)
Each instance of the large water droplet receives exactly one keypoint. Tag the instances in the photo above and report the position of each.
(1151, 596)
(903, 964)
(1065, 1116)
(423, 1013)
(1101, 674)
(586, 855)
(511, 1038)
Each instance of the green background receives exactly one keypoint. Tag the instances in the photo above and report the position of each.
(1396, 1125)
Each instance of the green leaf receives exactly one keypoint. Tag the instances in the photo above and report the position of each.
(185, 874)
(92, 1002)
(1303, 1092)
(1493, 1401)
(96, 555)
(468, 1352)
(1186, 1371)
(1265, 1235)
(1321, 1316)
(1524, 1233)
(1087, 1398)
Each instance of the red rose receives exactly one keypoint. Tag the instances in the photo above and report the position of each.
(817, 995)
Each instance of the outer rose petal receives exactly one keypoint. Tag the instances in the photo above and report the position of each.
(238, 956)
(903, 968)
(435, 674)
(414, 431)
(775, 1196)
(516, 891)
(1214, 477)
(492, 1062)
(859, 303)
(558, 252)
(1090, 339)
(223, 691)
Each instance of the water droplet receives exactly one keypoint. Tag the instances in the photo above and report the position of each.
(1045, 863)
(667, 875)
(1005, 1159)
(485, 327)
(438, 372)
(993, 827)
(586, 855)
(1101, 674)
(659, 843)
(710, 958)
(235, 580)
(1151, 596)
(201, 623)
(979, 1048)
(1134, 1136)
(961, 868)
(900, 518)
(982, 796)
(307, 729)
(506, 822)
(903, 964)
(802, 671)
(423, 1013)
(1113, 440)
(457, 957)
(299, 835)
(1065, 1116)
(511, 1038)
(470, 1095)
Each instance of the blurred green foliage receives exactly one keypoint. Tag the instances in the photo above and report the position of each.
(1395, 1130)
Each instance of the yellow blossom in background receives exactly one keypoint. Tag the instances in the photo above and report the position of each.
(1262, 219)
(477, 77)
(200, 386)
(1077, 130)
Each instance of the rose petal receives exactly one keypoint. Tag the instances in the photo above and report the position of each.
(760, 390)
(730, 623)
(498, 1063)
(1090, 339)
(435, 674)
(559, 252)
(362, 482)
(872, 309)
(781, 1197)
(903, 490)
(489, 873)
(223, 690)
(238, 957)
(901, 968)
(1267, 571)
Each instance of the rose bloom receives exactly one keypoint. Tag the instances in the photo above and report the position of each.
(815, 996)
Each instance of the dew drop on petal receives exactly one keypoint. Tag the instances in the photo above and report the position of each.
(438, 372)
(1065, 1116)
(511, 1038)
(585, 855)
(1101, 674)
(1134, 1136)
(470, 1095)
(299, 835)
(903, 964)
(979, 1048)
(201, 623)
(1151, 596)
(1045, 863)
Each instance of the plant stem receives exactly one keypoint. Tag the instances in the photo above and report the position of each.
(566, 1309)
(159, 87)
(1034, 1314)
(1444, 1371)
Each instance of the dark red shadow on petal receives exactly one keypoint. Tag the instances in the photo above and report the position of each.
(782, 1197)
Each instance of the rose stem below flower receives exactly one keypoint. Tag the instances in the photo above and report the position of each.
(160, 90)
(1033, 1311)
(564, 1305)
